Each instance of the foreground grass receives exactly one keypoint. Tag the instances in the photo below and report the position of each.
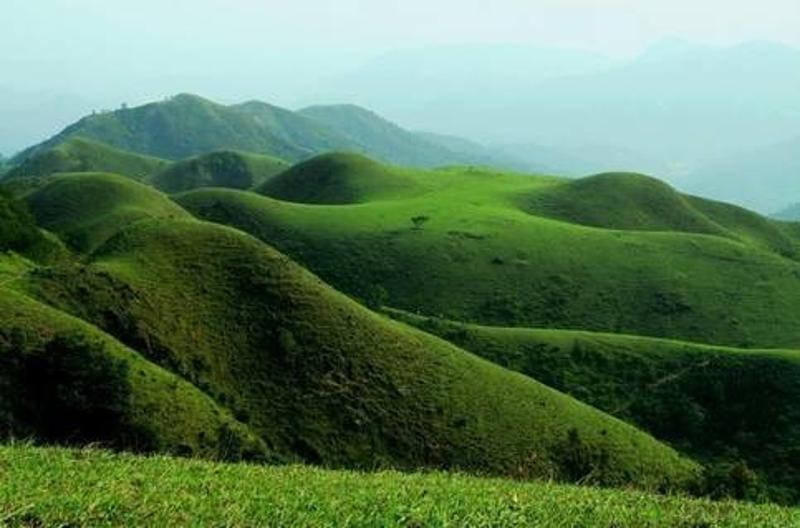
(49, 487)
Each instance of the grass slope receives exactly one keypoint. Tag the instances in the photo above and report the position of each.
(324, 380)
(237, 170)
(386, 141)
(165, 413)
(188, 125)
(494, 254)
(338, 179)
(717, 404)
(94, 488)
(86, 209)
(76, 154)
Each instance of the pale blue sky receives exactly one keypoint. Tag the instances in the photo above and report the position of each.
(103, 52)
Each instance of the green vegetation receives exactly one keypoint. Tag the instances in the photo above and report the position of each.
(513, 250)
(59, 372)
(388, 142)
(76, 154)
(236, 170)
(95, 488)
(723, 406)
(86, 209)
(188, 125)
(323, 380)
(338, 179)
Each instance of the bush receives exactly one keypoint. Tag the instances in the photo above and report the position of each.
(69, 390)
(18, 230)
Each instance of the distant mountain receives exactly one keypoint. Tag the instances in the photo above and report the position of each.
(790, 214)
(76, 154)
(188, 125)
(387, 141)
(765, 179)
(675, 106)
(456, 89)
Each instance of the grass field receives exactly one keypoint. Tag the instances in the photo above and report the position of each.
(54, 487)
(505, 249)
(237, 170)
(717, 404)
(316, 376)
(77, 154)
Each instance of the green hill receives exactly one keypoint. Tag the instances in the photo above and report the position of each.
(333, 179)
(187, 125)
(493, 250)
(76, 154)
(386, 141)
(237, 170)
(320, 378)
(88, 208)
(721, 405)
(64, 381)
(95, 488)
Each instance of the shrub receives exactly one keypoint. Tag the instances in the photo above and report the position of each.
(68, 390)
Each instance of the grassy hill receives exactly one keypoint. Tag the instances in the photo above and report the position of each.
(60, 487)
(187, 125)
(386, 141)
(237, 170)
(88, 208)
(76, 154)
(62, 380)
(334, 179)
(721, 405)
(513, 250)
(318, 377)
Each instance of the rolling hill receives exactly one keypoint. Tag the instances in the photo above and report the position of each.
(316, 376)
(187, 125)
(77, 154)
(721, 405)
(386, 141)
(86, 209)
(237, 170)
(505, 249)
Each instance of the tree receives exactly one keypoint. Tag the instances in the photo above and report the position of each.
(419, 221)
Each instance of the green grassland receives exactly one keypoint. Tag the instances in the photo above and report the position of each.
(316, 376)
(56, 487)
(88, 208)
(76, 154)
(716, 404)
(236, 170)
(518, 250)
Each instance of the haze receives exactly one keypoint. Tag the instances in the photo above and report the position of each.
(492, 73)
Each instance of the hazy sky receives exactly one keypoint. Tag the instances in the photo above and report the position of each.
(67, 42)
(109, 51)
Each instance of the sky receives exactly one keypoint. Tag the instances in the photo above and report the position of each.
(104, 52)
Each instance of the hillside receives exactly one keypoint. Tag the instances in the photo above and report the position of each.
(77, 154)
(386, 141)
(237, 170)
(187, 125)
(333, 179)
(87, 209)
(720, 405)
(320, 378)
(60, 487)
(63, 381)
(495, 255)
